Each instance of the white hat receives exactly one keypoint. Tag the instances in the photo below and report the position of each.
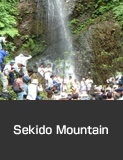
(35, 81)
(21, 55)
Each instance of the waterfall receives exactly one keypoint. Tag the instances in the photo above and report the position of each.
(58, 31)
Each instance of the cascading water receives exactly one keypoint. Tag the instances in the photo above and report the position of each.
(58, 32)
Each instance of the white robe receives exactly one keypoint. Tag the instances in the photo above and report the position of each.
(41, 71)
(32, 91)
(76, 86)
(83, 86)
(48, 72)
(89, 83)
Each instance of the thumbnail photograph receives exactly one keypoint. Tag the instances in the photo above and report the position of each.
(61, 50)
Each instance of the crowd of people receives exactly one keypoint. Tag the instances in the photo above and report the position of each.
(72, 89)
(16, 75)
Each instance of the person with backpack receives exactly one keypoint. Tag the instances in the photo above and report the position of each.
(4, 75)
(11, 74)
(26, 80)
(3, 53)
(18, 86)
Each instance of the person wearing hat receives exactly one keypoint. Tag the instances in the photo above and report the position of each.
(25, 59)
(3, 53)
(26, 80)
(33, 90)
(8, 70)
(24, 62)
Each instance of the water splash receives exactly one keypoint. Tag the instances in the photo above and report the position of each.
(59, 31)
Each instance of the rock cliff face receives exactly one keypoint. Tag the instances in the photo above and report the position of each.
(100, 36)
(103, 35)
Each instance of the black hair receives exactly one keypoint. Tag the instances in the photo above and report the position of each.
(21, 75)
(51, 76)
(98, 97)
(109, 95)
(104, 96)
(75, 96)
(30, 70)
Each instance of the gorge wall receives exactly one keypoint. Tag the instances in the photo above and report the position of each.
(95, 46)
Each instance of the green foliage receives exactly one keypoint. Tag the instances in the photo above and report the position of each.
(73, 23)
(8, 58)
(99, 8)
(103, 6)
(80, 7)
(26, 12)
(43, 95)
(29, 43)
(8, 21)
(103, 53)
(10, 47)
(11, 92)
(81, 27)
(108, 62)
(119, 13)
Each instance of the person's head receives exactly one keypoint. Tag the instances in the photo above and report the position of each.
(12, 63)
(52, 76)
(70, 77)
(30, 70)
(83, 79)
(20, 65)
(21, 55)
(41, 65)
(56, 75)
(26, 55)
(54, 87)
(122, 93)
(104, 96)
(98, 97)
(116, 95)
(49, 94)
(75, 80)
(21, 75)
(48, 66)
(120, 84)
(5, 36)
(109, 95)
(75, 96)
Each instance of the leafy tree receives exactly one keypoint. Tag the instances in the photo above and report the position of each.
(8, 15)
